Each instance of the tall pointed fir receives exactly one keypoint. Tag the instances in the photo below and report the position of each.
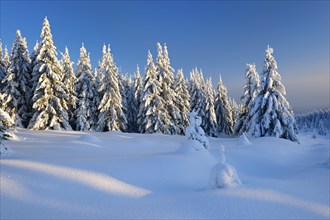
(210, 120)
(50, 98)
(35, 74)
(3, 69)
(235, 110)
(196, 90)
(166, 79)
(123, 89)
(98, 81)
(223, 110)
(17, 90)
(69, 80)
(6, 58)
(129, 102)
(85, 90)
(137, 89)
(152, 117)
(111, 116)
(271, 114)
(250, 91)
(182, 100)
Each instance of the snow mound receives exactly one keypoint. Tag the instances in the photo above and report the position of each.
(90, 138)
(243, 140)
(223, 175)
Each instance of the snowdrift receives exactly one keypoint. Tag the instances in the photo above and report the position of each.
(114, 175)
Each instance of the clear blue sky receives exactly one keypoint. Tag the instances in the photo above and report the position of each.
(218, 36)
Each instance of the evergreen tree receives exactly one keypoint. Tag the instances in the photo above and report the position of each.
(251, 89)
(223, 110)
(34, 54)
(271, 114)
(35, 72)
(69, 80)
(235, 110)
(17, 91)
(182, 100)
(166, 79)
(123, 89)
(210, 121)
(137, 89)
(85, 90)
(197, 92)
(130, 103)
(3, 70)
(5, 134)
(111, 116)
(5, 123)
(195, 133)
(152, 115)
(98, 81)
(6, 59)
(50, 96)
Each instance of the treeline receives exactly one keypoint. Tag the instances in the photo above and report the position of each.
(38, 92)
(317, 121)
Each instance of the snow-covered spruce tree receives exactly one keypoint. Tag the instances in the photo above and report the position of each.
(111, 116)
(182, 100)
(3, 69)
(69, 80)
(85, 90)
(223, 110)
(137, 89)
(50, 99)
(196, 90)
(6, 58)
(35, 73)
(124, 89)
(17, 90)
(271, 114)
(250, 91)
(235, 110)
(128, 91)
(5, 134)
(210, 122)
(195, 133)
(98, 81)
(152, 115)
(5, 123)
(166, 79)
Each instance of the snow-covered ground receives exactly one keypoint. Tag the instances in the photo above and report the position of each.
(62, 174)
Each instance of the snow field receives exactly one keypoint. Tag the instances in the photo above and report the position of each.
(69, 174)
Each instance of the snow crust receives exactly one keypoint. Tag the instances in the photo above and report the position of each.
(115, 175)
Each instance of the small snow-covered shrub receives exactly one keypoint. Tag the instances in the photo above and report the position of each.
(223, 174)
(243, 139)
(196, 134)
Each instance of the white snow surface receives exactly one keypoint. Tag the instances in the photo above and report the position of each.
(114, 175)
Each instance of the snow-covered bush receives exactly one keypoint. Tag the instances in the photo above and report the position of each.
(195, 133)
(243, 139)
(223, 174)
(5, 120)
